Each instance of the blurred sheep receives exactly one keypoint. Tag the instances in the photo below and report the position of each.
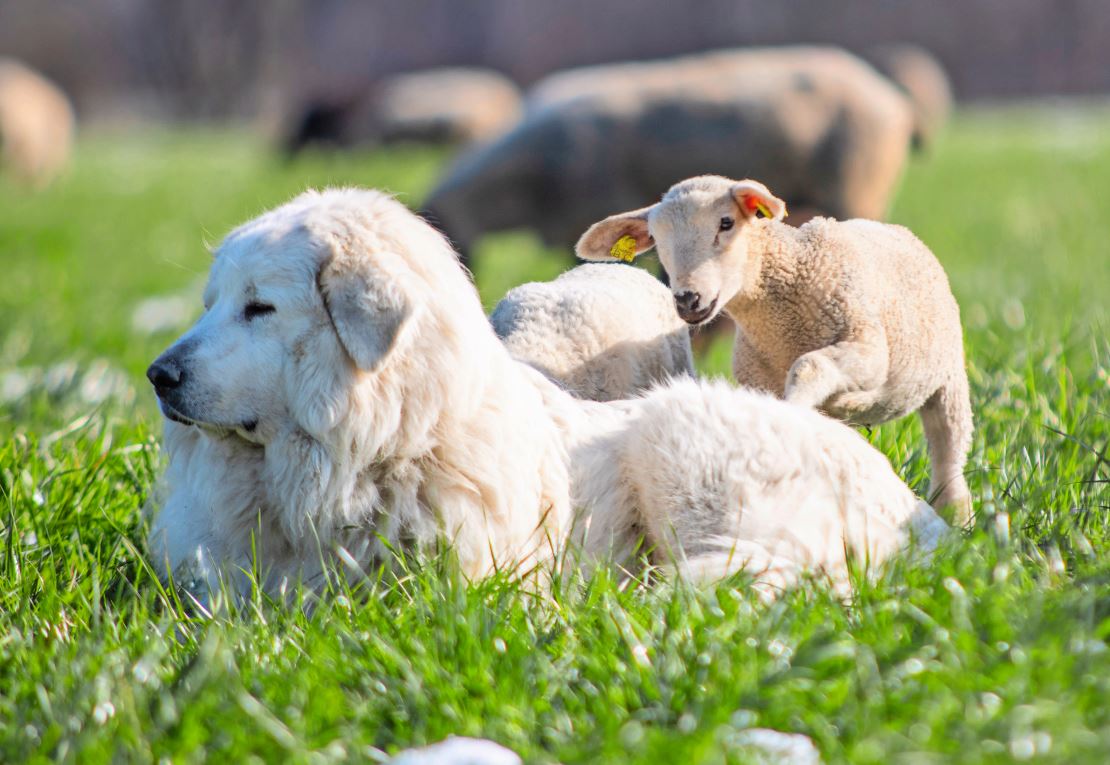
(923, 79)
(817, 123)
(36, 125)
(436, 106)
(601, 331)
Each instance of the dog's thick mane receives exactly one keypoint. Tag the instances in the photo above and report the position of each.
(409, 453)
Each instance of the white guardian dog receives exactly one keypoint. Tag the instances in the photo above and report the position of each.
(343, 394)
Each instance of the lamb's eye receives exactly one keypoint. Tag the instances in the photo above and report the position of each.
(726, 223)
(254, 309)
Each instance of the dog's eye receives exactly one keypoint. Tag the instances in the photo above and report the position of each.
(726, 223)
(254, 310)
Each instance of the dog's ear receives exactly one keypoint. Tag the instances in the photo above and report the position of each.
(369, 307)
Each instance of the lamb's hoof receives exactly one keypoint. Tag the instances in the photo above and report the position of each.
(955, 508)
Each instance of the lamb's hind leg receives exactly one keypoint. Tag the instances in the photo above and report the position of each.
(946, 417)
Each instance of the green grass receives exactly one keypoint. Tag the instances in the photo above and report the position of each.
(995, 652)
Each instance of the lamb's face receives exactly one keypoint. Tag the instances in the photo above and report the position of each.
(698, 230)
(698, 238)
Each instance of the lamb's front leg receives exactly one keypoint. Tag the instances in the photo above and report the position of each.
(857, 367)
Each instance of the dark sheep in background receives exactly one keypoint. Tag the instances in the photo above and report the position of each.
(817, 123)
(436, 106)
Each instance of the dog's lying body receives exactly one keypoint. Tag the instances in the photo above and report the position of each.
(795, 492)
(345, 389)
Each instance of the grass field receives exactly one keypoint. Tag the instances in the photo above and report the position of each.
(995, 652)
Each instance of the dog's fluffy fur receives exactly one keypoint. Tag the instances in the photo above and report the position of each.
(344, 389)
(373, 407)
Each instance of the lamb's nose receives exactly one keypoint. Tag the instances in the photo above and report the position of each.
(165, 374)
(687, 302)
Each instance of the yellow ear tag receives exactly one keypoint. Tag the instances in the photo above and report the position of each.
(763, 209)
(624, 249)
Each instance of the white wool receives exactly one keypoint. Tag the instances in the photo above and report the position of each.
(601, 331)
(855, 318)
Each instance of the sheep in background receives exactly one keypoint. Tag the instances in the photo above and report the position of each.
(601, 331)
(921, 77)
(818, 123)
(450, 105)
(853, 317)
(36, 125)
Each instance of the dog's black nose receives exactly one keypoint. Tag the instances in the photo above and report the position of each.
(165, 374)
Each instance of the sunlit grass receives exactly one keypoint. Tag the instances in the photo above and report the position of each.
(997, 651)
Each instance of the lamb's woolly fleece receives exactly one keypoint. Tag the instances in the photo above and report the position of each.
(602, 331)
(440, 434)
(853, 317)
(857, 317)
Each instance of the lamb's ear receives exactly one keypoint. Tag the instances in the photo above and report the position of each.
(618, 237)
(753, 197)
(369, 307)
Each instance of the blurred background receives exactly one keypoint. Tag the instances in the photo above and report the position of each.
(248, 59)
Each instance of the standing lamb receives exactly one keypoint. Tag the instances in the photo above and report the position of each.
(827, 130)
(36, 125)
(853, 317)
(601, 331)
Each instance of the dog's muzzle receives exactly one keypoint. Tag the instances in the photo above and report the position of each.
(167, 375)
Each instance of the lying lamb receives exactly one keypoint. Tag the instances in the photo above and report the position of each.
(853, 317)
(602, 331)
(343, 396)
